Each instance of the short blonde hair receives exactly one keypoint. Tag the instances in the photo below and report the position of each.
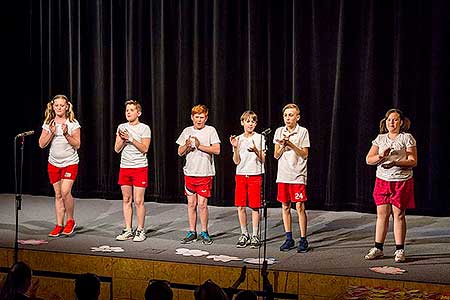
(199, 109)
(292, 105)
(249, 114)
(135, 103)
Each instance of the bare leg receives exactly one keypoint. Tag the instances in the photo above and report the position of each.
(286, 214)
(302, 218)
(203, 211)
(126, 205)
(192, 211)
(59, 204)
(399, 225)
(383, 215)
(66, 192)
(242, 216)
(139, 193)
(255, 219)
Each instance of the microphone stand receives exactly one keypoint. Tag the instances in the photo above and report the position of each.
(265, 148)
(18, 191)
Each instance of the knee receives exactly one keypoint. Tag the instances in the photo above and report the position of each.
(286, 208)
(192, 205)
(399, 215)
(127, 199)
(202, 205)
(300, 208)
(241, 209)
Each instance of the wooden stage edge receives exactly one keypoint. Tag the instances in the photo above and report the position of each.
(127, 278)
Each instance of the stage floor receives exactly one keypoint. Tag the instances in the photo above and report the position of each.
(338, 240)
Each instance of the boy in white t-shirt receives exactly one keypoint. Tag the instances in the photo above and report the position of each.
(133, 140)
(199, 143)
(62, 132)
(249, 158)
(291, 149)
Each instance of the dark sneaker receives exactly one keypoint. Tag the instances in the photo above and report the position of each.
(205, 238)
(69, 228)
(302, 246)
(287, 245)
(243, 241)
(190, 237)
(139, 235)
(255, 242)
(56, 231)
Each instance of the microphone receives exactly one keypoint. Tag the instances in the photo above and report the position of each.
(26, 133)
(266, 131)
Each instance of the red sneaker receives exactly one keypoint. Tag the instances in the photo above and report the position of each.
(56, 231)
(70, 227)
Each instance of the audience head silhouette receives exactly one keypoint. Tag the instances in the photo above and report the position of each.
(246, 295)
(209, 290)
(17, 282)
(158, 290)
(87, 287)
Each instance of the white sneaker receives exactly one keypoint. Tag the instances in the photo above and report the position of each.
(374, 253)
(127, 234)
(399, 255)
(139, 236)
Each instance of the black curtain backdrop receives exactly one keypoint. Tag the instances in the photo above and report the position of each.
(343, 62)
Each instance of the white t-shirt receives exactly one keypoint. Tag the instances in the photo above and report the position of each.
(292, 168)
(250, 164)
(131, 157)
(398, 145)
(199, 163)
(61, 153)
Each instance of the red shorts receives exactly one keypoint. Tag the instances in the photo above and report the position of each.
(291, 192)
(198, 185)
(134, 177)
(248, 187)
(397, 193)
(56, 174)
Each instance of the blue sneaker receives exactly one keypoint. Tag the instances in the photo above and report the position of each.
(302, 246)
(287, 245)
(205, 238)
(190, 237)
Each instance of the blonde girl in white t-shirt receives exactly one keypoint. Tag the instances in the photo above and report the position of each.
(62, 132)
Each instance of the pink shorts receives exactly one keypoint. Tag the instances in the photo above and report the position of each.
(56, 174)
(291, 192)
(134, 177)
(397, 193)
(248, 187)
(198, 185)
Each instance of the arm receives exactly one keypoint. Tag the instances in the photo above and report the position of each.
(73, 139)
(260, 154)
(235, 143)
(213, 149)
(373, 158)
(119, 144)
(186, 148)
(279, 150)
(45, 138)
(300, 151)
(409, 162)
(141, 146)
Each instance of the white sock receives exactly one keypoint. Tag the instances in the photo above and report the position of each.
(244, 230)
